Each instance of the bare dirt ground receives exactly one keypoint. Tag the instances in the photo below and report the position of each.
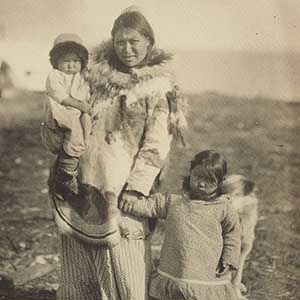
(259, 137)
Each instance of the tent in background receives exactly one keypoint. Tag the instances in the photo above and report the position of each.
(6, 77)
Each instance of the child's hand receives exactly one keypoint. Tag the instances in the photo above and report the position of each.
(127, 200)
(86, 108)
(223, 270)
(125, 205)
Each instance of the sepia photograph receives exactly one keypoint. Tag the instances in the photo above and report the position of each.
(149, 150)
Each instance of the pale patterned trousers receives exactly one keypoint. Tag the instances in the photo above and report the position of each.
(97, 273)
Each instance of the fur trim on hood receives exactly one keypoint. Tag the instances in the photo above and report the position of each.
(109, 76)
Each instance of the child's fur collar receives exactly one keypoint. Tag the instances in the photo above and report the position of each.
(107, 74)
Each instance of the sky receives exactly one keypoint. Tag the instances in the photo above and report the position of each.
(264, 27)
(260, 25)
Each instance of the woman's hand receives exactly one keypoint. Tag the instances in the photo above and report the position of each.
(85, 108)
(223, 270)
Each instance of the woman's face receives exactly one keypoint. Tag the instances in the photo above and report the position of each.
(131, 47)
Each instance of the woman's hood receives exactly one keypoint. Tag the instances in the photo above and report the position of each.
(107, 74)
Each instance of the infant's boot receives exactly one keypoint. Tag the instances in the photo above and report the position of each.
(66, 184)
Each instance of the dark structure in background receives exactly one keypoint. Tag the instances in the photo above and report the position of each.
(5, 77)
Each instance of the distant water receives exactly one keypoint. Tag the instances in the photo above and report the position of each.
(246, 74)
(272, 75)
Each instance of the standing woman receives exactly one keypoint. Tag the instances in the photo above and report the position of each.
(136, 112)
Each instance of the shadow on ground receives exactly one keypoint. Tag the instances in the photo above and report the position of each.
(260, 139)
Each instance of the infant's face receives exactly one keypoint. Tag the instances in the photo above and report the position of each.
(69, 63)
(201, 185)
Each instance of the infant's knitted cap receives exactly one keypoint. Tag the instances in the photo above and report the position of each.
(68, 37)
(68, 42)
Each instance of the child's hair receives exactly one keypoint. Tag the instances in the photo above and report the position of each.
(135, 20)
(213, 163)
(238, 185)
(214, 167)
(68, 43)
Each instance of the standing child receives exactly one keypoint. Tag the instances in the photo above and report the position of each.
(202, 238)
(67, 123)
(244, 200)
